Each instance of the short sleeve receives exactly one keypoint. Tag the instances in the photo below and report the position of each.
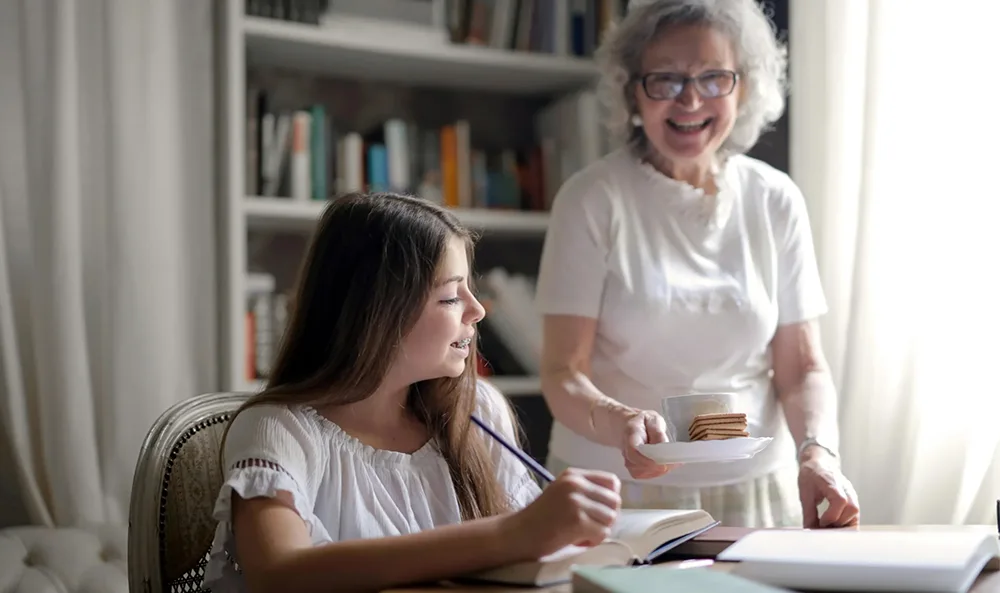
(574, 259)
(268, 449)
(800, 290)
(517, 480)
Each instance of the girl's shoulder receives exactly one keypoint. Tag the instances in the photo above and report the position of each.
(271, 417)
(284, 428)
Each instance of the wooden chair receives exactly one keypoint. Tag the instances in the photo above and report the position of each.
(177, 479)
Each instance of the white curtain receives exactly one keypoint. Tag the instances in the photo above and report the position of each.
(107, 304)
(894, 130)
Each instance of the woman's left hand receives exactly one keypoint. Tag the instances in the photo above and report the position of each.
(820, 479)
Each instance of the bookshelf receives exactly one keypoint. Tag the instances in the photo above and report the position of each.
(283, 214)
(367, 50)
(356, 47)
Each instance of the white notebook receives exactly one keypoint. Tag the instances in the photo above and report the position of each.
(851, 560)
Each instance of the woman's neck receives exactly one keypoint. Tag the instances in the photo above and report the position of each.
(700, 175)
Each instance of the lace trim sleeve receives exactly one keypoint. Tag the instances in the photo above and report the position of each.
(269, 449)
(254, 478)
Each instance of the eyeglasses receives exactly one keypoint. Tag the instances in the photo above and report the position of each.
(666, 86)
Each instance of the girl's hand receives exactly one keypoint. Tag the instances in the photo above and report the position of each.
(639, 427)
(579, 508)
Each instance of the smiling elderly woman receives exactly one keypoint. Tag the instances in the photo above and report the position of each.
(678, 264)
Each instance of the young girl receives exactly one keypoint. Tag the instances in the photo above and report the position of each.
(358, 468)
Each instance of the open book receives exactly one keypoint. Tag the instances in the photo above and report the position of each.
(638, 537)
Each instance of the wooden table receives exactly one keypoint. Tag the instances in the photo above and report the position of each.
(988, 581)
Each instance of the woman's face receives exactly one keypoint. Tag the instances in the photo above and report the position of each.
(438, 345)
(685, 120)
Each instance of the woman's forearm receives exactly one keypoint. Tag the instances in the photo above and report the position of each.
(804, 386)
(375, 564)
(580, 406)
(810, 408)
(574, 401)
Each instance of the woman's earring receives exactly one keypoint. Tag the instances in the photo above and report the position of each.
(636, 120)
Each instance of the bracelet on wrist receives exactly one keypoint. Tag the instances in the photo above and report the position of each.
(607, 404)
(593, 408)
(812, 442)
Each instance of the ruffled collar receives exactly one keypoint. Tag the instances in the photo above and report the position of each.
(692, 204)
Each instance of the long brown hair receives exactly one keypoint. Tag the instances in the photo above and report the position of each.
(369, 270)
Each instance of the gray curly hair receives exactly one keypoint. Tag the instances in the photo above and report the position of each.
(761, 61)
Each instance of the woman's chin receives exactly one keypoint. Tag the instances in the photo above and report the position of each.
(688, 151)
(688, 154)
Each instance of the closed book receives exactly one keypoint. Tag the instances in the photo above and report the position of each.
(943, 561)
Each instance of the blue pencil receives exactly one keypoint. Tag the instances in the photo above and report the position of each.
(525, 459)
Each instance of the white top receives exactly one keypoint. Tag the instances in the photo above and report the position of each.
(342, 488)
(688, 290)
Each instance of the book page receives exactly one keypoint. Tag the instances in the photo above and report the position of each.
(644, 530)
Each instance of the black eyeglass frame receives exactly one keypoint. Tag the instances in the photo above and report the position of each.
(686, 80)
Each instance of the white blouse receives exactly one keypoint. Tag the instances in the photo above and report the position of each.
(342, 488)
(688, 290)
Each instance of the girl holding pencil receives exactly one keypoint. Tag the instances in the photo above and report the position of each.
(358, 467)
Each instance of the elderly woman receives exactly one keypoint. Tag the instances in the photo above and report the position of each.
(678, 264)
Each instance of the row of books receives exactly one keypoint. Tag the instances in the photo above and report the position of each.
(510, 336)
(303, 154)
(560, 27)
(265, 319)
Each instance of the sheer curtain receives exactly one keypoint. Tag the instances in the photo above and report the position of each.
(894, 141)
(107, 305)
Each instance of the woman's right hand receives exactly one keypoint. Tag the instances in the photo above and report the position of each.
(640, 427)
(578, 508)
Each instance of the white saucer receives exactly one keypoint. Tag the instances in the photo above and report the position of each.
(705, 451)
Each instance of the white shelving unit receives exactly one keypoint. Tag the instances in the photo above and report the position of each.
(283, 214)
(350, 50)
(356, 48)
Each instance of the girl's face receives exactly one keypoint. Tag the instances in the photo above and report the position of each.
(688, 97)
(438, 345)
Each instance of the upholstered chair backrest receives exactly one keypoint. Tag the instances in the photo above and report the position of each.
(176, 482)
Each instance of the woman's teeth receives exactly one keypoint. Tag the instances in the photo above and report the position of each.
(462, 343)
(691, 126)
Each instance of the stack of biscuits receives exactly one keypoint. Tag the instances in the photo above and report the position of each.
(717, 427)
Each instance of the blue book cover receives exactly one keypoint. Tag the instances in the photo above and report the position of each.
(378, 168)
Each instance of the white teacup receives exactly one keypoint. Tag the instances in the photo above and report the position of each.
(680, 410)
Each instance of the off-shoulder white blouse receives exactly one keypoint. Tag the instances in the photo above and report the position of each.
(342, 488)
